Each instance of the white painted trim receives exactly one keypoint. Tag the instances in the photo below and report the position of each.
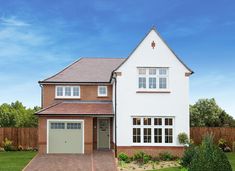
(67, 97)
(102, 95)
(98, 131)
(66, 120)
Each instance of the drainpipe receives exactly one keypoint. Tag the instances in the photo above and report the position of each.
(41, 95)
(115, 113)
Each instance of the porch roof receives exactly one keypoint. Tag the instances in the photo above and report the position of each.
(78, 108)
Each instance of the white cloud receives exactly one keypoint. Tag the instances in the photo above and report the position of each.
(12, 21)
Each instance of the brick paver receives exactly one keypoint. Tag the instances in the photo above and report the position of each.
(98, 161)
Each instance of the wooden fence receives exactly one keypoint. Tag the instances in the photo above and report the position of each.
(197, 133)
(26, 137)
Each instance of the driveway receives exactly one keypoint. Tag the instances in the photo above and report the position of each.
(98, 161)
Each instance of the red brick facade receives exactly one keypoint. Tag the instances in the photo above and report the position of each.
(151, 150)
(90, 132)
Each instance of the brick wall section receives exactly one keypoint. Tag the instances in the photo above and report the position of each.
(151, 150)
(88, 132)
(88, 92)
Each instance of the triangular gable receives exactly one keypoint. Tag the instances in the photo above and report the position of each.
(154, 29)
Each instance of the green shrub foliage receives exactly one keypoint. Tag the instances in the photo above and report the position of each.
(209, 157)
(188, 155)
(123, 157)
(167, 156)
(183, 138)
(141, 157)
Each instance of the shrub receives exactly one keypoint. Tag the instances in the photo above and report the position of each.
(183, 138)
(7, 145)
(166, 156)
(141, 157)
(123, 157)
(188, 155)
(208, 157)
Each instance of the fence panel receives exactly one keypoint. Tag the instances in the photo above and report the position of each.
(26, 137)
(227, 133)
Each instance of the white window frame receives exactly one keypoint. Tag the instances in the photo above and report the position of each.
(67, 97)
(152, 126)
(102, 95)
(157, 76)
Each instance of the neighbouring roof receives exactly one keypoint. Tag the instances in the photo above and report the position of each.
(87, 70)
(78, 108)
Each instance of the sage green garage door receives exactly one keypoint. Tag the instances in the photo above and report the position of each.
(65, 137)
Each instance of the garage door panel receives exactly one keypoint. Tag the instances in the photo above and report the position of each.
(67, 138)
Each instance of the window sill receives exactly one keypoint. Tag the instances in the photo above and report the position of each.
(102, 96)
(67, 98)
(153, 91)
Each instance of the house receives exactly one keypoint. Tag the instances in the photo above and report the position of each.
(136, 103)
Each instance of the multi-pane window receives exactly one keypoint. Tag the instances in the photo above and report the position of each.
(136, 135)
(157, 121)
(147, 135)
(102, 91)
(73, 125)
(147, 121)
(59, 91)
(168, 135)
(67, 92)
(76, 91)
(136, 121)
(57, 125)
(152, 82)
(168, 121)
(152, 130)
(158, 135)
(153, 78)
(142, 82)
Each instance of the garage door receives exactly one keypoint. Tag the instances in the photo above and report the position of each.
(65, 137)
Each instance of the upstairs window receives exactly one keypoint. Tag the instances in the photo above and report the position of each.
(102, 91)
(153, 78)
(67, 92)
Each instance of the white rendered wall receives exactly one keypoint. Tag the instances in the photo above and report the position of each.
(130, 103)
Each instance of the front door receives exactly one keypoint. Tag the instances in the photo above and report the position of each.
(103, 133)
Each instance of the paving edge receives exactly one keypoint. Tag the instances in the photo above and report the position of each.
(30, 162)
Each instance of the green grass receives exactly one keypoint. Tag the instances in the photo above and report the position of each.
(15, 160)
(231, 158)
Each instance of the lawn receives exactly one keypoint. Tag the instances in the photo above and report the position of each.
(15, 161)
(231, 158)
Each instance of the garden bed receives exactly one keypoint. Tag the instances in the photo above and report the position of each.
(134, 166)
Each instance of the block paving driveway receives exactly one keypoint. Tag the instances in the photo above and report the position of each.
(98, 161)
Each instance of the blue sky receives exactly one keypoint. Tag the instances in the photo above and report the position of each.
(39, 38)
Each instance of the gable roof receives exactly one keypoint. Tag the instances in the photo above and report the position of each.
(155, 30)
(86, 70)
